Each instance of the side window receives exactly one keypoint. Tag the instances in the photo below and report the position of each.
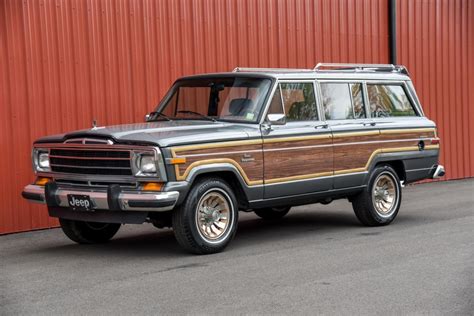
(357, 100)
(343, 101)
(337, 101)
(276, 107)
(389, 100)
(299, 101)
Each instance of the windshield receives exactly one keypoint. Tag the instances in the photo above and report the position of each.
(228, 99)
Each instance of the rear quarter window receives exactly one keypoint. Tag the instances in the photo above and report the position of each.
(389, 100)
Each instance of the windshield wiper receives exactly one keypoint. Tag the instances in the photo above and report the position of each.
(199, 114)
(160, 115)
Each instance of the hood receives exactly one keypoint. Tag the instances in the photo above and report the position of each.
(162, 133)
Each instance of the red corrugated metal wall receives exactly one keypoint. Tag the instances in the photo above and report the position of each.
(66, 62)
(436, 43)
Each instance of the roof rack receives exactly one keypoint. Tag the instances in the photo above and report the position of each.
(361, 67)
(329, 67)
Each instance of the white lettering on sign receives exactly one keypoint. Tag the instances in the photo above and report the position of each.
(75, 202)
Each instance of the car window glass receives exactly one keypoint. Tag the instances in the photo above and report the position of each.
(388, 101)
(357, 100)
(299, 101)
(337, 101)
(276, 106)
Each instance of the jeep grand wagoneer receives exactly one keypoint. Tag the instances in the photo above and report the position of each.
(260, 140)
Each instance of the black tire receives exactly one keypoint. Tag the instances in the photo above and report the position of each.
(185, 219)
(364, 206)
(88, 232)
(270, 213)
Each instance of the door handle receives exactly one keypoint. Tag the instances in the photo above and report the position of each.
(369, 124)
(321, 126)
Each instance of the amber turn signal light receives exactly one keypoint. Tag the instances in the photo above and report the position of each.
(42, 181)
(152, 186)
(177, 161)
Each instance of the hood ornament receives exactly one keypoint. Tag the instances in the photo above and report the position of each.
(94, 124)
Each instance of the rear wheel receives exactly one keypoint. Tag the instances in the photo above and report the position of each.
(88, 232)
(379, 203)
(207, 220)
(272, 212)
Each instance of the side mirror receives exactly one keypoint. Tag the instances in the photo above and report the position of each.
(147, 117)
(276, 119)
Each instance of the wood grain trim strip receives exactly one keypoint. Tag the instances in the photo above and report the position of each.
(217, 145)
(411, 130)
(212, 161)
(295, 138)
(352, 134)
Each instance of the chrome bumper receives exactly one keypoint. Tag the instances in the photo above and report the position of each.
(439, 172)
(126, 200)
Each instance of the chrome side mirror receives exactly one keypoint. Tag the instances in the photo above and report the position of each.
(276, 119)
(147, 117)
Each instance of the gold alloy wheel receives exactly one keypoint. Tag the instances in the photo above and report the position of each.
(384, 195)
(213, 214)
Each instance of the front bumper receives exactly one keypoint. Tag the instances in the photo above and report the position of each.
(113, 198)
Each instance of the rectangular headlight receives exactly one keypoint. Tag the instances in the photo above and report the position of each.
(148, 163)
(41, 160)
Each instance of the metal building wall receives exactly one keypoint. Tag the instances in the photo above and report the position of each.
(65, 62)
(436, 43)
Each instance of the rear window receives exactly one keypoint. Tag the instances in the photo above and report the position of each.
(387, 100)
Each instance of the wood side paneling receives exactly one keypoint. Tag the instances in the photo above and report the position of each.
(252, 170)
(294, 162)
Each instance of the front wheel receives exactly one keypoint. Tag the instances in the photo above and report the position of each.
(379, 203)
(88, 232)
(207, 220)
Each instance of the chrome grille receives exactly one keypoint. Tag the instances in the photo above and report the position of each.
(91, 161)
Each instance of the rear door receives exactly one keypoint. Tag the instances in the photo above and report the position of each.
(298, 156)
(355, 136)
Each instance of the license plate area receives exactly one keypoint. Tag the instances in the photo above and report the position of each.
(79, 202)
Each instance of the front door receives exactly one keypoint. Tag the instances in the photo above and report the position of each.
(298, 156)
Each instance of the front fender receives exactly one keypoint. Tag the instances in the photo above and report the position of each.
(253, 192)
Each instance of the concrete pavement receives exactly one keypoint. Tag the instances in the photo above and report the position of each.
(317, 260)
